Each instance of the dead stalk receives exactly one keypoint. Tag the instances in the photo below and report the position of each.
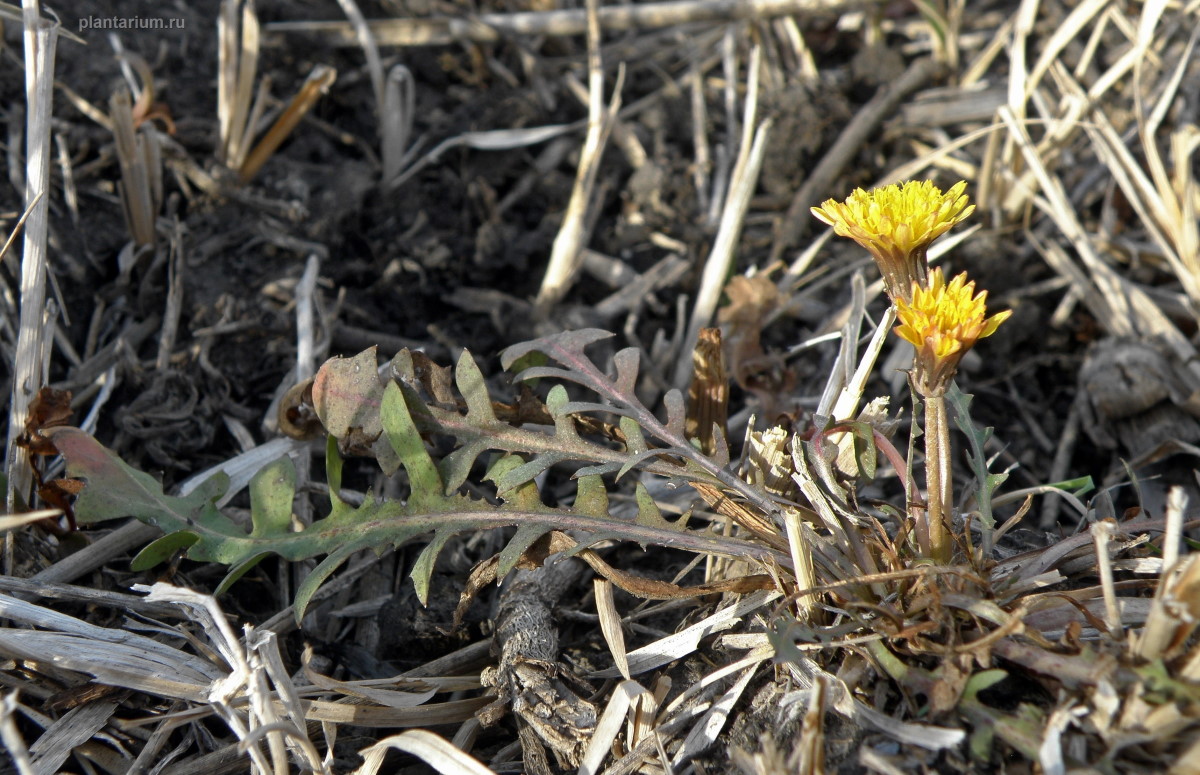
(494, 27)
(1102, 534)
(802, 559)
(396, 123)
(319, 81)
(14, 743)
(238, 38)
(32, 353)
(371, 51)
(140, 160)
(743, 182)
(571, 239)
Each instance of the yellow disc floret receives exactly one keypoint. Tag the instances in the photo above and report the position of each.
(897, 223)
(943, 322)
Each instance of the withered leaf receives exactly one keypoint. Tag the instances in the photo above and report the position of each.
(50, 409)
(651, 589)
(708, 392)
(297, 416)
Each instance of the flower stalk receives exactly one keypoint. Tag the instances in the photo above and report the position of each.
(938, 476)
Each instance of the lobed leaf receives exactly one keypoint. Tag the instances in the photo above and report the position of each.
(391, 421)
(591, 497)
(333, 474)
(347, 397)
(524, 538)
(114, 490)
(469, 380)
(618, 397)
(316, 577)
(563, 342)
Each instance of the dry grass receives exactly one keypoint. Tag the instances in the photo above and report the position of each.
(1076, 129)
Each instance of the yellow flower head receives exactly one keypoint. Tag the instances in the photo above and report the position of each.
(943, 322)
(896, 224)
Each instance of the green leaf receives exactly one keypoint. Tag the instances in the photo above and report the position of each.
(423, 475)
(239, 570)
(473, 388)
(522, 496)
(422, 569)
(393, 421)
(317, 577)
(564, 341)
(115, 490)
(162, 549)
(983, 737)
(522, 540)
(1079, 486)
(374, 524)
(676, 412)
(984, 679)
(272, 491)
(591, 497)
(347, 394)
(635, 441)
(557, 402)
(1162, 687)
(865, 453)
(648, 511)
(529, 360)
(960, 404)
(333, 474)
(637, 460)
(934, 17)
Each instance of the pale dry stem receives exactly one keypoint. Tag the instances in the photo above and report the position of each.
(573, 234)
(31, 359)
(493, 27)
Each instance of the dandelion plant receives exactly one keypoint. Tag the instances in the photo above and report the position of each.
(897, 224)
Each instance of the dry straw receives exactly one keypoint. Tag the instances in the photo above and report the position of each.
(31, 359)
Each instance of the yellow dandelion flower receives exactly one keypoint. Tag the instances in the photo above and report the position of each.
(896, 224)
(943, 322)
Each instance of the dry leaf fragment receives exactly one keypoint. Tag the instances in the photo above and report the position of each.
(297, 417)
(708, 393)
(752, 300)
(50, 409)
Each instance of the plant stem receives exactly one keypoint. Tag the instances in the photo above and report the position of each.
(938, 477)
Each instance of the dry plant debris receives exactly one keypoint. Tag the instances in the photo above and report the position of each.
(615, 349)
